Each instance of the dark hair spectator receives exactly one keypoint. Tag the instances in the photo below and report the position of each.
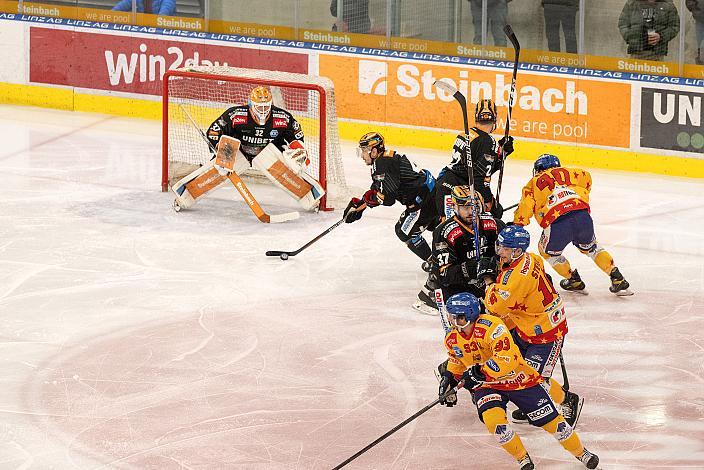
(157, 7)
(496, 14)
(561, 12)
(355, 16)
(648, 26)
(697, 9)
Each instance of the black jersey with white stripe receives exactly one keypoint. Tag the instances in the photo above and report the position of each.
(397, 178)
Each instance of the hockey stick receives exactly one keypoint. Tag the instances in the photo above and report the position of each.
(440, 301)
(286, 254)
(400, 425)
(566, 384)
(241, 187)
(508, 31)
(513, 206)
(457, 95)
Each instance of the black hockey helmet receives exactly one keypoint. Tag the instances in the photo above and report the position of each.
(485, 112)
(372, 140)
(462, 196)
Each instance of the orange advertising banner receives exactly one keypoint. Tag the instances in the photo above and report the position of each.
(548, 107)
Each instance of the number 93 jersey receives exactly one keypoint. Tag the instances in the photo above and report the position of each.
(490, 344)
(523, 295)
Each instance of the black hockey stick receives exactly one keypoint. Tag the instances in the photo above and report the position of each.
(508, 31)
(513, 206)
(285, 254)
(457, 95)
(566, 384)
(400, 425)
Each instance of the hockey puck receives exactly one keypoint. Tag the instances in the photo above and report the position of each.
(283, 256)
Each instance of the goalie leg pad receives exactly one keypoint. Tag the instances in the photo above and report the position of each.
(269, 162)
(192, 187)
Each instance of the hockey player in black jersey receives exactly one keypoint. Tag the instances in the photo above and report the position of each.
(485, 161)
(455, 267)
(396, 178)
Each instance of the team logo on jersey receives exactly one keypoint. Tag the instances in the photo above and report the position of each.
(274, 133)
(280, 122)
(454, 234)
(457, 351)
(504, 294)
(498, 332)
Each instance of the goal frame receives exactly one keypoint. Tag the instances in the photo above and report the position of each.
(322, 140)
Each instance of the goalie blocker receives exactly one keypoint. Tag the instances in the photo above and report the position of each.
(285, 170)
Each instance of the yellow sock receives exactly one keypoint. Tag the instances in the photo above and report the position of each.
(558, 263)
(604, 261)
(556, 392)
(566, 436)
(497, 424)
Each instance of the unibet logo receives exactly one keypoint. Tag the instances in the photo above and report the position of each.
(372, 77)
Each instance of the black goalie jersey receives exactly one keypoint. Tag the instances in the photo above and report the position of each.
(280, 128)
(454, 256)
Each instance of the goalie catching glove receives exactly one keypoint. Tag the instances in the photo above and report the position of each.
(296, 157)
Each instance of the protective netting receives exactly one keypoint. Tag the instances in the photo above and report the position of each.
(203, 93)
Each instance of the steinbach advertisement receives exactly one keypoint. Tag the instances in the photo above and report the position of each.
(134, 64)
(548, 107)
(671, 120)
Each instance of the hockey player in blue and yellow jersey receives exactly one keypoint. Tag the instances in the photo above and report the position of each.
(524, 297)
(558, 198)
(483, 355)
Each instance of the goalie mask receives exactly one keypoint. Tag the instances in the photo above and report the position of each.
(369, 142)
(260, 104)
(485, 112)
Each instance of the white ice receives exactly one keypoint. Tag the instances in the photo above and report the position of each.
(135, 337)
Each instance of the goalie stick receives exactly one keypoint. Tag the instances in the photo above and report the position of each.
(286, 254)
(508, 31)
(457, 95)
(241, 187)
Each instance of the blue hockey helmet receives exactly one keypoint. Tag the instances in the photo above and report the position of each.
(464, 305)
(514, 236)
(544, 162)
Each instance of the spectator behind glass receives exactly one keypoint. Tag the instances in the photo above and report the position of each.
(647, 26)
(355, 16)
(158, 7)
(697, 9)
(496, 15)
(561, 12)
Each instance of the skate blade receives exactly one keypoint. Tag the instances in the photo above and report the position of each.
(623, 293)
(581, 292)
(424, 309)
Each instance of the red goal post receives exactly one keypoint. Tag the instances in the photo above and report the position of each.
(203, 93)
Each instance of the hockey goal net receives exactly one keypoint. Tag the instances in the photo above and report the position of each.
(205, 92)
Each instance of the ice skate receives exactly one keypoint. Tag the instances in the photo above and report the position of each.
(519, 417)
(588, 459)
(425, 303)
(574, 283)
(526, 463)
(619, 285)
(572, 408)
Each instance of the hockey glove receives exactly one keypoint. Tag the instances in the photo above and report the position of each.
(506, 144)
(371, 198)
(447, 383)
(354, 210)
(487, 268)
(296, 157)
(497, 210)
(473, 377)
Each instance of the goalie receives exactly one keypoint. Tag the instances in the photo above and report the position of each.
(258, 135)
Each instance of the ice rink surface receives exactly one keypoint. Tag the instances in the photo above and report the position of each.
(135, 337)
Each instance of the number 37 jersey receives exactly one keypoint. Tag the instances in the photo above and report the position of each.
(523, 295)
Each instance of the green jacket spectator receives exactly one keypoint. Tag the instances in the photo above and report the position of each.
(648, 26)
